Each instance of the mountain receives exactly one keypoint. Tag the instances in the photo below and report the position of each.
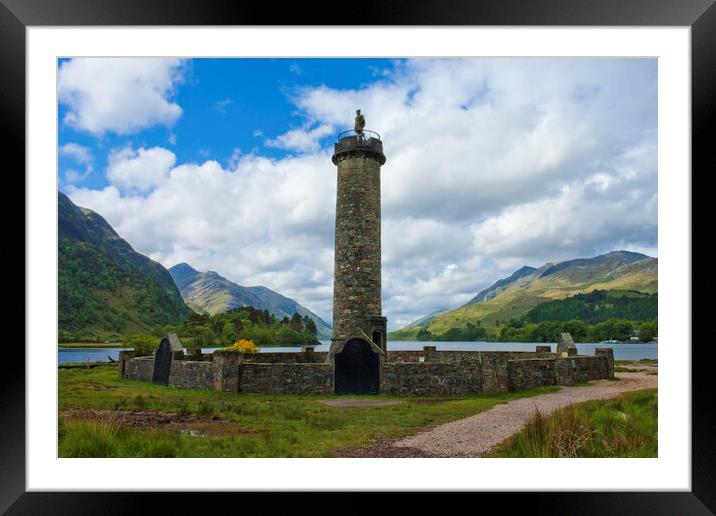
(105, 286)
(500, 285)
(424, 321)
(209, 292)
(529, 287)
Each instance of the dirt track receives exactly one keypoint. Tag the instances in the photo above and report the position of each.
(476, 435)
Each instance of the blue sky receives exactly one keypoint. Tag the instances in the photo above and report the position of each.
(227, 104)
(492, 164)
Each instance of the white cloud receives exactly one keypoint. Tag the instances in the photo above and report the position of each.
(491, 164)
(303, 140)
(140, 170)
(117, 94)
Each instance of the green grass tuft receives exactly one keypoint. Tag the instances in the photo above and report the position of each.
(620, 427)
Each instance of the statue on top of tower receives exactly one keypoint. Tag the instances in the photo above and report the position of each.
(360, 123)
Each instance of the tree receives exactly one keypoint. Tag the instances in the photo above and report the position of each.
(238, 325)
(577, 329)
(311, 327)
(424, 335)
(296, 322)
(648, 331)
(142, 344)
(229, 333)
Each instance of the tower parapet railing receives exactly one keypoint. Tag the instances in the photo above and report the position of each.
(353, 133)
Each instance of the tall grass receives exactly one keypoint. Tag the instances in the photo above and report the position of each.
(620, 427)
(109, 438)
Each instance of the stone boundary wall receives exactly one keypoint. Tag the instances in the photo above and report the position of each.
(530, 373)
(452, 356)
(139, 369)
(188, 374)
(577, 369)
(286, 378)
(495, 371)
(441, 378)
(453, 373)
(287, 357)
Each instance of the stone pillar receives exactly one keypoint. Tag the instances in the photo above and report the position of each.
(124, 356)
(608, 355)
(227, 367)
(566, 345)
(357, 263)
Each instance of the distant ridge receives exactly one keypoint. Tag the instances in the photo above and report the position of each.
(212, 293)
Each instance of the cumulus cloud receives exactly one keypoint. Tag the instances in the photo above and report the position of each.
(303, 140)
(117, 94)
(491, 164)
(140, 170)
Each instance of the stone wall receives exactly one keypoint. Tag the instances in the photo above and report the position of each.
(578, 369)
(607, 354)
(139, 369)
(494, 371)
(289, 357)
(453, 373)
(188, 374)
(530, 373)
(442, 378)
(286, 378)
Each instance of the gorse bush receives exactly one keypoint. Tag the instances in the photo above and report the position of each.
(244, 346)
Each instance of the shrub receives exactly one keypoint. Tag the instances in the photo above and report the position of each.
(244, 346)
(143, 345)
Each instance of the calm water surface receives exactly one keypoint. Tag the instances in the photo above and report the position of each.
(621, 351)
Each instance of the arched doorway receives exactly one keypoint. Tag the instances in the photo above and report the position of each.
(162, 363)
(357, 369)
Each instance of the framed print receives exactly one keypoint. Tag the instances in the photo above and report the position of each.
(418, 248)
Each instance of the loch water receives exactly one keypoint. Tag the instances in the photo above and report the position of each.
(626, 351)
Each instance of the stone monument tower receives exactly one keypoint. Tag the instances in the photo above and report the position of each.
(359, 330)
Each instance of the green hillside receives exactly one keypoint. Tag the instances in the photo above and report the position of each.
(598, 306)
(106, 288)
(513, 297)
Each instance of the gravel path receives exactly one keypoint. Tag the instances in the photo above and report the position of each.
(476, 435)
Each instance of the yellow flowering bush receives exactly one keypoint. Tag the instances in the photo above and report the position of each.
(244, 346)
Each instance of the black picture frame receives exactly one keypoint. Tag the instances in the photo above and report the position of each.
(699, 15)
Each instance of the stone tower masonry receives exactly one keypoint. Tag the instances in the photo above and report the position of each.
(357, 267)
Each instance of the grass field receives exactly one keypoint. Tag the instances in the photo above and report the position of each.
(238, 425)
(620, 427)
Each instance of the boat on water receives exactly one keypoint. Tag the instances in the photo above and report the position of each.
(610, 341)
